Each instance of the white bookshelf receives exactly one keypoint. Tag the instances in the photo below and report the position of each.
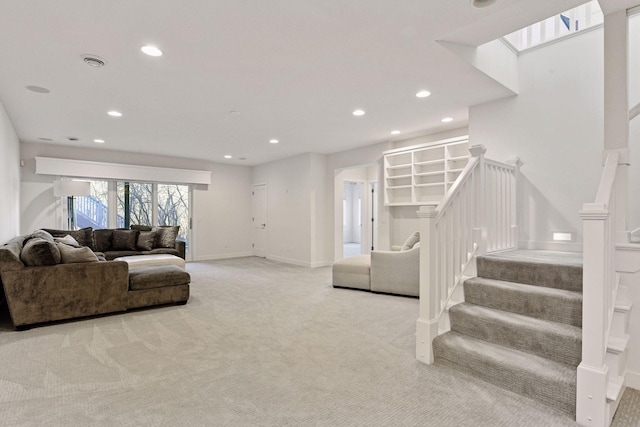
(422, 174)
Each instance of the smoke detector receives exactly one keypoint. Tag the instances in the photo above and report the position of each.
(94, 61)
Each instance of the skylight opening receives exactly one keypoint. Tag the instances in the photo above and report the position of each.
(565, 24)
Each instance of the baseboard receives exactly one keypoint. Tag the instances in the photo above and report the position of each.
(632, 379)
(318, 264)
(550, 246)
(289, 260)
(222, 256)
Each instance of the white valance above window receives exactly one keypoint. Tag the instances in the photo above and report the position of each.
(87, 169)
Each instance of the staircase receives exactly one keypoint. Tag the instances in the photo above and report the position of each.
(520, 327)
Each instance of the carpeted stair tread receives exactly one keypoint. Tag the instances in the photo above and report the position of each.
(540, 268)
(547, 381)
(555, 341)
(556, 305)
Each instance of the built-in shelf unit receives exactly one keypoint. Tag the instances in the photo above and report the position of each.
(422, 174)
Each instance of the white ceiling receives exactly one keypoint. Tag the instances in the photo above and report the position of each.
(293, 69)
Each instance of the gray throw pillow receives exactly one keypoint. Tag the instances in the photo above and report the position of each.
(124, 240)
(412, 240)
(146, 240)
(38, 251)
(166, 236)
(71, 255)
(41, 234)
(67, 240)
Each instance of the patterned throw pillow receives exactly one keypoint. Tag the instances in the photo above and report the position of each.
(124, 240)
(166, 236)
(146, 240)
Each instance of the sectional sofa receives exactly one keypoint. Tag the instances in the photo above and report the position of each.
(47, 279)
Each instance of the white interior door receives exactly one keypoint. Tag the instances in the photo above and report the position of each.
(259, 218)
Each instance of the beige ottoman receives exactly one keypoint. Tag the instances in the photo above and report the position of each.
(353, 272)
(159, 259)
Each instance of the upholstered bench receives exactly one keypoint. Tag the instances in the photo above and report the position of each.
(353, 272)
(157, 259)
(157, 284)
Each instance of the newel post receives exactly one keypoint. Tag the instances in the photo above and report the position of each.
(592, 373)
(480, 226)
(427, 324)
(513, 194)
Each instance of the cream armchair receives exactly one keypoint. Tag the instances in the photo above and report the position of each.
(396, 272)
(392, 272)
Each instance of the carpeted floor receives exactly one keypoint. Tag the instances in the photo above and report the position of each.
(259, 344)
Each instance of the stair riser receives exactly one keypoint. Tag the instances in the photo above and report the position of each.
(616, 362)
(560, 395)
(545, 307)
(568, 277)
(620, 324)
(541, 342)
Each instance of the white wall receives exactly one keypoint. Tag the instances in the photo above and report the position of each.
(290, 192)
(221, 211)
(555, 126)
(9, 179)
(634, 125)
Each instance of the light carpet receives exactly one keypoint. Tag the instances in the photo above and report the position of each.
(260, 343)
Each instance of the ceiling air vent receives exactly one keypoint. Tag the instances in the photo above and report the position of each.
(94, 61)
(482, 3)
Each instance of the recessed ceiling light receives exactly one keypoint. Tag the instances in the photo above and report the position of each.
(482, 3)
(423, 94)
(447, 119)
(234, 113)
(99, 141)
(273, 141)
(228, 156)
(358, 113)
(38, 89)
(114, 113)
(395, 132)
(151, 50)
(94, 61)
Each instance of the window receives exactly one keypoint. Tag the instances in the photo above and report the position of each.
(173, 208)
(93, 210)
(135, 203)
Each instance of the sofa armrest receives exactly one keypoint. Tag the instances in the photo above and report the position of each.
(396, 272)
(64, 291)
(181, 247)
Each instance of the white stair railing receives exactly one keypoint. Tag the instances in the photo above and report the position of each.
(599, 295)
(482, 201)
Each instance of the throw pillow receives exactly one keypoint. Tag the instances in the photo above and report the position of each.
(411, 240)
(124, 240)
(166, 236)
(102, 240)
(67, 240)
(84, 236)
(38, 251)
(141, 227)
(146, 240)
(71, 255)
(41, 234)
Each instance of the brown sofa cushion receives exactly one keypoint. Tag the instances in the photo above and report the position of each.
(84, 236)
(124, 240)
(166, 236)
(146, 240)
(10, 254)
(156, 276)
(38, 251)
(70, 254)
(141, 227)
(102, 240)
